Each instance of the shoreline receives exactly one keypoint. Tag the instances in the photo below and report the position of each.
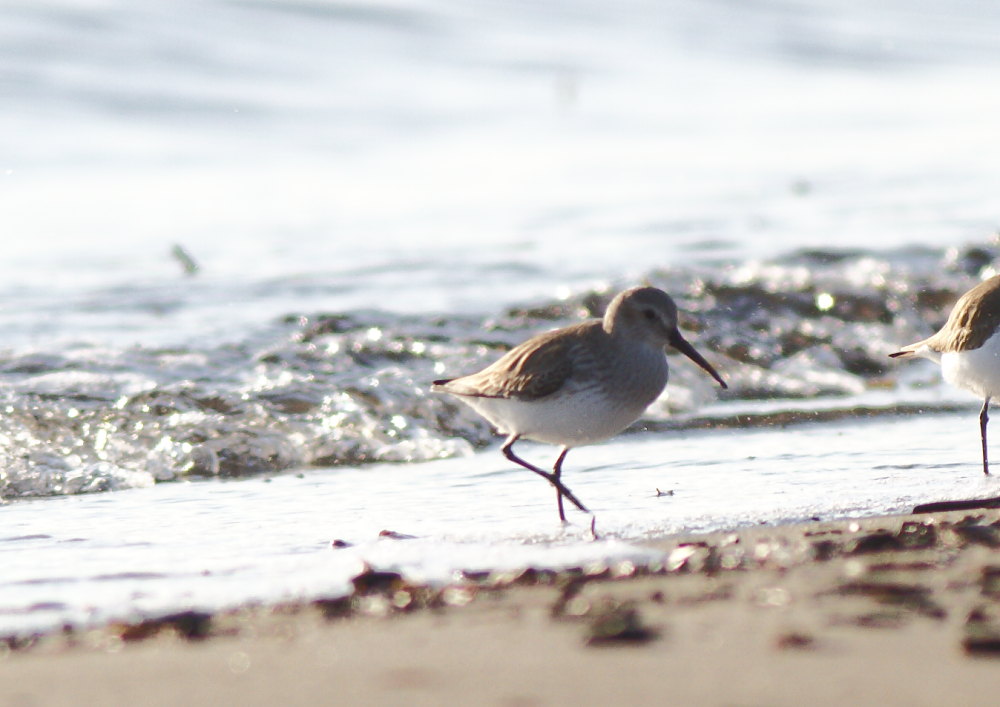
(895, 610)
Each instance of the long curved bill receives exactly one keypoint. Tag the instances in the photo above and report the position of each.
(682, 345)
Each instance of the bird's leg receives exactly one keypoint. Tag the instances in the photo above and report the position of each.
(557, 472)
(941, 506)
(984, 417)
(551, 478)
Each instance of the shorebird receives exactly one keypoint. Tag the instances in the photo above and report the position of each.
(581, 384)
(968, 348)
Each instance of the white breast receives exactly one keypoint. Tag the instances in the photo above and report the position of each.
(977, 370)
(588, 409)
(586, 417)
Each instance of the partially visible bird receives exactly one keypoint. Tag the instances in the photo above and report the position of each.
(581, 384)
(968, 348)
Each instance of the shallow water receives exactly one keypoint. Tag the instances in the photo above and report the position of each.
(379, 196)
(83, 559)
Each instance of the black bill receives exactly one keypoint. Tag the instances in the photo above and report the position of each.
(682, 345)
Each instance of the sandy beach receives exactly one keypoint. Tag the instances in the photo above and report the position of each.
(891, 611)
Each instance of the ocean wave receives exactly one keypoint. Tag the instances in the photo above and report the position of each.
(349, 388)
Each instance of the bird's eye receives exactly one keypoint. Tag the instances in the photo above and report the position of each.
(649, 314)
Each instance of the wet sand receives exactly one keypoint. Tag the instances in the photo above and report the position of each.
(901, 610)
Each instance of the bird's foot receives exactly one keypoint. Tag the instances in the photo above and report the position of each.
(594, 537)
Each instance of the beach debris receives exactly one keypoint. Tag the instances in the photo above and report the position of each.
(527, 576)
(917, 566)
(379, 593)
(880, 619)
(18, 642)
(683, 557)
(913, 597)
(371, 581)
(982, 632)
(569, 602)
(616, 623)
(624, 569)
(189, 625)
(776, 552)
(879, 541)
(962, 505)
(722, 592)
(476, 576)
(727, 557)
(393, 535)
(823, 550)
(334, 608)
(794, 640)
(459, 595)
(374, 605)
(989, 581)
(918, 535)
(979, 535)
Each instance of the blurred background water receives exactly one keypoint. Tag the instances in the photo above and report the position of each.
(379, 193)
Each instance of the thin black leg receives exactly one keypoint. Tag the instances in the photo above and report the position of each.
(557, 472)
(551, 478)
(984, 417)
(941, 506)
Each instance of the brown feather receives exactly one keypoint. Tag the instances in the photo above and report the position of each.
(534, 369)
(972, 321)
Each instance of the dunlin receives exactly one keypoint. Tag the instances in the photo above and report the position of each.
(968, 348)
(581, 384)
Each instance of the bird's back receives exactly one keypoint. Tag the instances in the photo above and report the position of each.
(971, 323)
(535, 369)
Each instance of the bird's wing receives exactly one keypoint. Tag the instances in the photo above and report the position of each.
(973, 320)
(535, 369)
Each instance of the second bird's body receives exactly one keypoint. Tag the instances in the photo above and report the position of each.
(968, 349)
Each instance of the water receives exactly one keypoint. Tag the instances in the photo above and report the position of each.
(83, 559)
(379, 195)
